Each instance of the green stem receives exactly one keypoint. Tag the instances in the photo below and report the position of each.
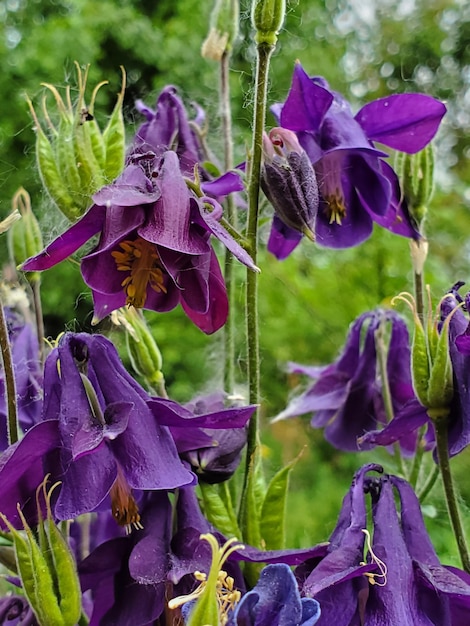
(10, 386)
(429, 484)
(418, 458)
(441, 425)
(419, 294)
(229, 329)
(264, 52)
(36, 289)
(382, 351)
(83, 621)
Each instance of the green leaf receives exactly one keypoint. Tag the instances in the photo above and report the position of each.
(219, 509)
(273, 511)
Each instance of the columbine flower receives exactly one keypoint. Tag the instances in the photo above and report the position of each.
(289, 182)
(357, 187)
(154, 249)
(346, 398)
(28, 375)
(402, 581)
(112, 442)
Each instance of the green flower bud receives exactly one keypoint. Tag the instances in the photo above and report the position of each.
(267, 17)
(223, 29)
(431, 367)
(75, 158)
(416, 173)
(24, 237)
(145, 356)
(47, 570)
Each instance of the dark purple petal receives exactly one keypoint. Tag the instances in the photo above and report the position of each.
(230, 182)
(306, 104)
(282, 239)
(406, 122)
(68, 243)
(131, 189)
(169, 224)
(21, 470)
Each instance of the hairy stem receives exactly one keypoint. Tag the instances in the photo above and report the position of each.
(441, 426)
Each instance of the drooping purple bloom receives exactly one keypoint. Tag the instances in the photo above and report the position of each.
(154, 249)
(111, 440)
(402, 581)
(28, 375)
(15, 611)
(357, 187)
(275, 601)
(346, 398)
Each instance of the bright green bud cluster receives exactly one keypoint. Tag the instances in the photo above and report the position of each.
(267, 17)
(75, 158)
(223, 31)
(431, 367)
(47, 570)
(24, 237)
(416, 173)
(145, 356)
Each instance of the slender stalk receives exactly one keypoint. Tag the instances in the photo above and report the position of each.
(229, 329)
(419, 294)
(418, 458)
(264, 52)
(429, 484)
(36, 289)
(10, 386)
(440, 427)
(386, 394)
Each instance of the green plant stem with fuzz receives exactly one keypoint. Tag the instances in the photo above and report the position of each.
(429, 484)
(419, 294)
(418, 458)
(36, 289)
(229, 329)
(441, 425)
(382, 350)
(264, 52)
(10, 386)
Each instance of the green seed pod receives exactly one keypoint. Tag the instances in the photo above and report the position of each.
(223, 29)
(416, 174)
(24, 237)
(267, 17)
(76, 158)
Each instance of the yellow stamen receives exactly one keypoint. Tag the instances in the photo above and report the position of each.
(139, 258)
(123, 505)
(336, 209)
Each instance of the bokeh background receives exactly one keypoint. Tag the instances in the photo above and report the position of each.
(365, 50)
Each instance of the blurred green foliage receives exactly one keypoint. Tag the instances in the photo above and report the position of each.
(365, 50)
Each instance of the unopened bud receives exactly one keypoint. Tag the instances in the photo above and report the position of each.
(75, 158)
(223, 29)
(431, 366)
(267, 17)
(24, 237)
(416, 173)
(289, 182)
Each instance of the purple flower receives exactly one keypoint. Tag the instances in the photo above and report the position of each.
(28, 375)
(346, 398)
(111, 440)
(402, 582)
(15, 611)
(357, 187)
(154, 249)
(275, 599)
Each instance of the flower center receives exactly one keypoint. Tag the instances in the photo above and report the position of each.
(328, 171)
(123, 505)
(141, 259)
